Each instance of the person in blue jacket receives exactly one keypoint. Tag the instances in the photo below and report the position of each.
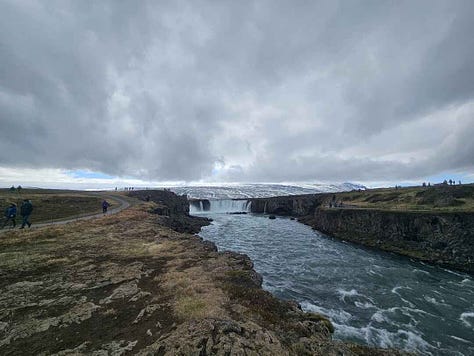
(25, 212)
(10, 215)
(105, 205)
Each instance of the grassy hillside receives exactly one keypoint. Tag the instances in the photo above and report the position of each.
(53, 204)
(438, 198)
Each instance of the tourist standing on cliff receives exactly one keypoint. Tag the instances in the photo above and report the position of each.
(10, 215)
(25, 211)
(105, 205)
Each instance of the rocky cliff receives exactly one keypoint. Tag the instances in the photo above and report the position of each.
(172, 210)
(169, 201)
(296, 205)
(442, 238)
(445, 239)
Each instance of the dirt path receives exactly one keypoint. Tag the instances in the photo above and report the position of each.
(124, 204)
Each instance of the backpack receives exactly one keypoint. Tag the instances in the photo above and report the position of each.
(12, 212)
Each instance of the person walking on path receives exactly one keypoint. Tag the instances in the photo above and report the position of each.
(25, 212)
(105, 205)
(10, 215)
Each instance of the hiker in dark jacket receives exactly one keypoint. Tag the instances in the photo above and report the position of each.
(25, 212)
(105, 205)
(10, 215)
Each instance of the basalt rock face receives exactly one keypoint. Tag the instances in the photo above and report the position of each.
(445, 239)
(298, 205)
(173, 210)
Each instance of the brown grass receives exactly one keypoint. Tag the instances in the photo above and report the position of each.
(49, 205)
(436, 198)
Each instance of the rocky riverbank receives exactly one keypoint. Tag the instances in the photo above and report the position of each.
(128, 284)
(444, 238)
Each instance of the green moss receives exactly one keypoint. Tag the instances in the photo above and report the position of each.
(190, 308)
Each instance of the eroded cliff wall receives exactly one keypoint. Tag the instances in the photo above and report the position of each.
(445, 239)
(297, 205)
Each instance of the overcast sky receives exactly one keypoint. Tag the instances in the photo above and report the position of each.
(237, 91)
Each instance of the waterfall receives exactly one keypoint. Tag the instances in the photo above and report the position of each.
(196, 206)
(220, 206)
(265, 208)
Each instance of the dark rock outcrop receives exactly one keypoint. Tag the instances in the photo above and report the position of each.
(297, 205)
(175, 204)
(184, 223)
(173, 210)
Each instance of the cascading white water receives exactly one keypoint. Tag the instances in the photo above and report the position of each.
(228, 206)
(249, 206)
(222, 206)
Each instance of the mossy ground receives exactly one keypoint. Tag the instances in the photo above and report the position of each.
(63, 286)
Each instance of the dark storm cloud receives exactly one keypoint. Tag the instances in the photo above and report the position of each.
(262, 91)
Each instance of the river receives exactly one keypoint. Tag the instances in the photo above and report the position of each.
(371, 297)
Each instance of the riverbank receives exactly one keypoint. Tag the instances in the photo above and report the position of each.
(431, 224)
(129, 283)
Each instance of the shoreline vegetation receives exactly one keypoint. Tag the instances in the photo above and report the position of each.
(140, 282)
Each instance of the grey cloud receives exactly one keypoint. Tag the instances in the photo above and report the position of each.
(268, 90)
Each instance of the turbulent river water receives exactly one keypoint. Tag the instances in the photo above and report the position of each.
(372, 298)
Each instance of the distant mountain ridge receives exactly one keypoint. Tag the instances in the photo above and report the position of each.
(261, 190)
